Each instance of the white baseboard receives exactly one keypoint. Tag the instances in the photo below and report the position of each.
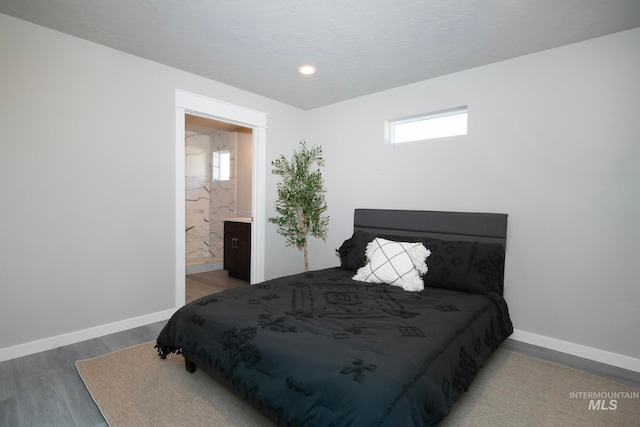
(82, 335)
(585, 352)
(202, 268)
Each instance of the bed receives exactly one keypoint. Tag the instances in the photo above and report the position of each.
(322, 349)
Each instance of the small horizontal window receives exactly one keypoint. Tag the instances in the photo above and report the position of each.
(427, 126)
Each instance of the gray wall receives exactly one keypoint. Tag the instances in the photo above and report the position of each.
(554, 141)
(87, 180)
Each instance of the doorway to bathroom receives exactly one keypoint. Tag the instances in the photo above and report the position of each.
(218, 187)
(190, 104)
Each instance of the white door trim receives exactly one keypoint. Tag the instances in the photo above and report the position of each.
(191, 103)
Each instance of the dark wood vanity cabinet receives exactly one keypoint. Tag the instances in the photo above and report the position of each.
(237, 249)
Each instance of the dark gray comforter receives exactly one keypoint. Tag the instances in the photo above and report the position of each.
(319, 349)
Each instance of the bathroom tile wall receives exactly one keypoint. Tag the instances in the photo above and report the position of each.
(207, 202)
(223, 194)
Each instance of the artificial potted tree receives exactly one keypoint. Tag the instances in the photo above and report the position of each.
(301, 204)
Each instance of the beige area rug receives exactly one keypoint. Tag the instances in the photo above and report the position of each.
(134, 387)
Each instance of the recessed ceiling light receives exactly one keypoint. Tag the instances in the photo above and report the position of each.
(307, 69)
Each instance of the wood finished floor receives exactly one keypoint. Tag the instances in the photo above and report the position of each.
(201, 284)
(45, 389)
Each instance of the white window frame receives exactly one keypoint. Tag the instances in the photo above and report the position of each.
(221, 165)
(432, 121)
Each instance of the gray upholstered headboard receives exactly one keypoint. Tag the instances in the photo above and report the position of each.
(462, 226)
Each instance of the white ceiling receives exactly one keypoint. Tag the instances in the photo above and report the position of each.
(358, 46)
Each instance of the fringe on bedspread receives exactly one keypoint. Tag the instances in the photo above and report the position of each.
(165, 350)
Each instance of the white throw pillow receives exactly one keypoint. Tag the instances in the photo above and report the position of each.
(394, 263)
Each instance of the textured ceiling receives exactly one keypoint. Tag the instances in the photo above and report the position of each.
(358, 46)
